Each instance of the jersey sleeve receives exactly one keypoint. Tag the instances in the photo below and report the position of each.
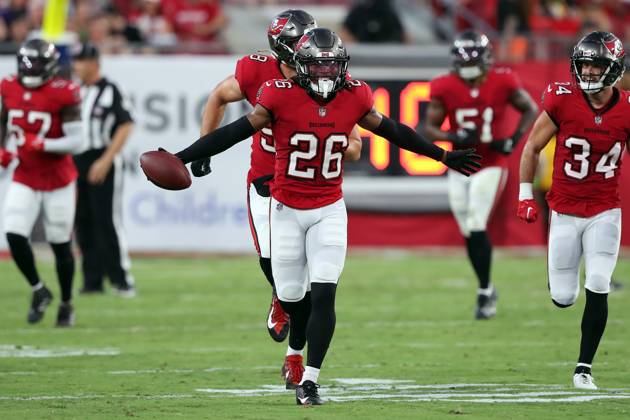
(512, 82)
(269, 96)
(70, 94)
(549, 102)
(437, 90)
(366, 98)
(245, 75)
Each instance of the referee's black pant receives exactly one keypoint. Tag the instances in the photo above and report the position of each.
(98, 228)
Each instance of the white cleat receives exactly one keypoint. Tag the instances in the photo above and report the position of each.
(584, 381)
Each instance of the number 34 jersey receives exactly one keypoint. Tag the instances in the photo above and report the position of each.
(480, 108)
(589, 145)
(310, 139)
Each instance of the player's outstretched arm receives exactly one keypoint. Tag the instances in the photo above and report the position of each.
(227, 136)
(544, 129)
(463, 161)
(4, 119)
(355, 144)
(224, 93)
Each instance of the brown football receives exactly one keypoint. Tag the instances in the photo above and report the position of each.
(165, 170)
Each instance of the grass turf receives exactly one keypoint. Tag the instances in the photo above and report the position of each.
(195, 336)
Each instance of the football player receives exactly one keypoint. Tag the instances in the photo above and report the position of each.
(474, 97)
(589, 118)
(250, 73)
(41, 112)
(312, 117)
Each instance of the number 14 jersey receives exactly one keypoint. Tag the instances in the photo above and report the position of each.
(589, 145)
(310, 139)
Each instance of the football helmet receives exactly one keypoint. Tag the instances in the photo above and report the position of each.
(37, 62)
(321, 62)
(472, 55)
(602, 50)
(285, 31)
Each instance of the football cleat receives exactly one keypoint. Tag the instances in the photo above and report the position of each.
(65, 315)
(292, 370)
(584, 381)
(39, 303)
(277, 320)
(307, 394)
(486, 305)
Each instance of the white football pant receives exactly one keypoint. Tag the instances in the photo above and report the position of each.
(473, 198)
(596, 238)
(23, 204)
(307, 244)
(258, 207)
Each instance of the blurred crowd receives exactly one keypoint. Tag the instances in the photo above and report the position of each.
(196, 26)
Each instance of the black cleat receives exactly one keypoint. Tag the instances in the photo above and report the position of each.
(306, 394)
(88, 291)
(486, 305)
(39, 303)
(65, 315)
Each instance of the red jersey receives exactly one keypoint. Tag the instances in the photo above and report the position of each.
(38, 111)
(251, 72)
(478, 108)
(310, 138)
(589, 144)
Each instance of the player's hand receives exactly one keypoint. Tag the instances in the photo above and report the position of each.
(505, 146)
(527, 211)
(464, 137)
(465, 162)
(5, 158)
(200, 167)
(33, 143)
(98, 171)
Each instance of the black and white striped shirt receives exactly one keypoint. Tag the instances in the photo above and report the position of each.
(104, 109)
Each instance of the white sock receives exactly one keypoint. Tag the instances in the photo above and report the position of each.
(310, 374)
(37, 286)
(294, 352)
(486, 292)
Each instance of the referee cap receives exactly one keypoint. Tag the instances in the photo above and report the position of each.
(85, 51)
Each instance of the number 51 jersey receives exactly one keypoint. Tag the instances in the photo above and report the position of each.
(589, 144)
(310, 139)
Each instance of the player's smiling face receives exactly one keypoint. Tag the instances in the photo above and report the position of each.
(591, 72)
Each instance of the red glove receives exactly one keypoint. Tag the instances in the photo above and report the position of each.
(33, 143)
(6, 157)
(527, 211)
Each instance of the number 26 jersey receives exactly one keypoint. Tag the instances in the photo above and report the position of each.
(310, 139)
(589, 146)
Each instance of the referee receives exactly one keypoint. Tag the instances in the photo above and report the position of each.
(107, 124)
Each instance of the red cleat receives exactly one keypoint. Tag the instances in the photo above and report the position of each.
(292, 370)
(277, 320)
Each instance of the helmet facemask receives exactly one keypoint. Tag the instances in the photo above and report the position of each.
(594, 81)
(322, 77)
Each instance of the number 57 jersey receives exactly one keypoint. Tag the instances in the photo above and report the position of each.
(310, 139)
(589, 144)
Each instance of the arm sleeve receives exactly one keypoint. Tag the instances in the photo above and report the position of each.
(71, 142)
(218, 141)
(407, 138)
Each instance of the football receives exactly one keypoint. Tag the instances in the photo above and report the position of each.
(165, 170)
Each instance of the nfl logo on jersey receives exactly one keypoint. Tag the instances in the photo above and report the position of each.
(322, 111)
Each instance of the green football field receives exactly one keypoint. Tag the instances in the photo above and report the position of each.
(193, 344)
